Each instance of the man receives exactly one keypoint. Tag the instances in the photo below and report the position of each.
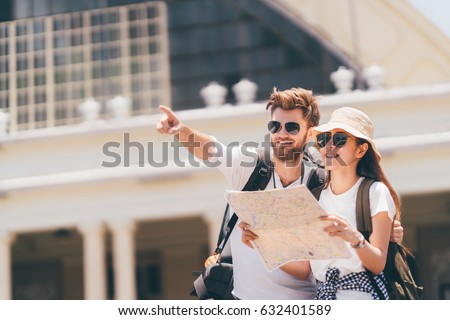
(294, 113)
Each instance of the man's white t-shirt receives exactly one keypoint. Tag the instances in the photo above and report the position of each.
(252, 281)
(345, 205)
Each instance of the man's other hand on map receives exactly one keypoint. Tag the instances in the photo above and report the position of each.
(247, 235)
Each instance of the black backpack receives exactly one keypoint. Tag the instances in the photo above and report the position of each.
(216, 281)
(401, 267)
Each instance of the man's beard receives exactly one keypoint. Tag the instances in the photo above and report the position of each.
(288, 154)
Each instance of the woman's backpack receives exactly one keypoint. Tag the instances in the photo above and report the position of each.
(401, 266)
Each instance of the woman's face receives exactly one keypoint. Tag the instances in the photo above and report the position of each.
(339, 149)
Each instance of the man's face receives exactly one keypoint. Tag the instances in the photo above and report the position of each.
(287, 143)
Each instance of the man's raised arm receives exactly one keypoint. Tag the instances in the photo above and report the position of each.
(194, 141)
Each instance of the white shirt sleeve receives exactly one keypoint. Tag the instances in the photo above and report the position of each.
(381, 200)
(236, 162)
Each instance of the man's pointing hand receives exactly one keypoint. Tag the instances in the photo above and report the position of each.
(168, 123)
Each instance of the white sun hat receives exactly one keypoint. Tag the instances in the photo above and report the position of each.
(354, 121)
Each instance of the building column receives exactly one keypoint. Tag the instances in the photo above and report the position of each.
(6, 239)
(124, 258)
(94, 260)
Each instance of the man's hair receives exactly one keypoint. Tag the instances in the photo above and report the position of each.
(296, 98)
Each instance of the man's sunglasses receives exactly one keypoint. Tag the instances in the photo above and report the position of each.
(292, 128)
(339, 139)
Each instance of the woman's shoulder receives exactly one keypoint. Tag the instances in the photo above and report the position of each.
(381, 199)
(379, 187)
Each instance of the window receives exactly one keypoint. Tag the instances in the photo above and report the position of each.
(77, 57)
(153, 48)
(136, 85)
(22, 81)
(97, 72)
(114, 17)
(60, 112)
(4, 49)
(59, 23)
(149, 281)
(133, 14)
(98, 89)
(114, 70)
(22, 114)
(77, 75)
(60, 77)
(76, 21)
(39, 26)
(77, 39)
(60, 94)
(114, 35)
(39, 43)
(136, 67)
(4, 66)
(21, 46)
(152, 30)
(4, 102)
(21, 29)
(95, 37)
(39, 61)
(39, 97)
(114, 53)
(3, 30)
(95, 19)
(22, 99)
(39, 79)
(60, 59)
(78, 93)
(152, 12)
(135, 50)
(133, 32)
(59, 41)
(4, 84)
(96, 55)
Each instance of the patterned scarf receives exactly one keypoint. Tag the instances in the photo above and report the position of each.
(357, 281)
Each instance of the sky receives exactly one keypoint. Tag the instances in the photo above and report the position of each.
(437, 11)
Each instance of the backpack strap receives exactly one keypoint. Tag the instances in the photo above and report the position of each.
(316, 181)
(363, 216)
(258, 180)
(364, 222)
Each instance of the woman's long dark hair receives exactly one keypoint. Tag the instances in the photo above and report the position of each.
(369, 167)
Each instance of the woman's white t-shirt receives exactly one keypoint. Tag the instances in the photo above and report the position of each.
(344, 205)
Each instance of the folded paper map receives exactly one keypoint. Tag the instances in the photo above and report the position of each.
(287, 224)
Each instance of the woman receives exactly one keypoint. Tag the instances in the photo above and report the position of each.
(350, 155)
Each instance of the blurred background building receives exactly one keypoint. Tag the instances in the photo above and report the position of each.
(94, 204)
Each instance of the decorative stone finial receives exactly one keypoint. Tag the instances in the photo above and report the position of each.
(90, 110)
(374, 76)
(245, 91)
(213, 94)
(119, 106)
(343, 79)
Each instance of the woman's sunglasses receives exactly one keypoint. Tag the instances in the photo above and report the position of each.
(292, 128)
(339, 139)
